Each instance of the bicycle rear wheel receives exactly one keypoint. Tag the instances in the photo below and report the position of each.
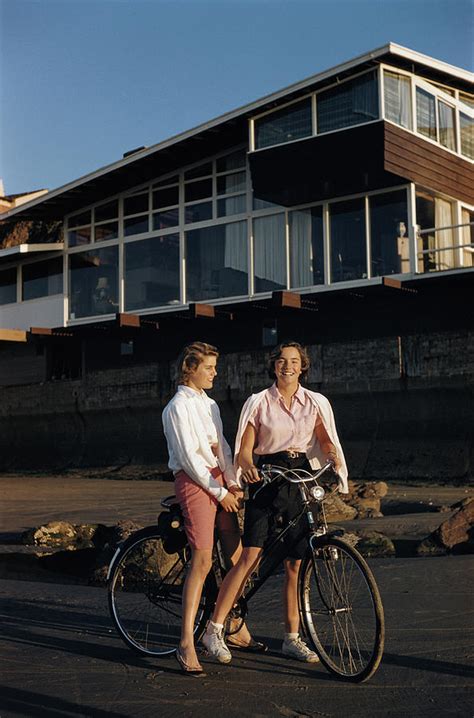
(342, 610)
(145, 594)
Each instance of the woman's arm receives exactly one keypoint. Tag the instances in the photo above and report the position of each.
(245, 457)
(327, 446)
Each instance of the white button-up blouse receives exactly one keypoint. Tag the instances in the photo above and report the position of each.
(193, 428)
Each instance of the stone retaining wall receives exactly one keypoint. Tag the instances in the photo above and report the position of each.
(403, 407)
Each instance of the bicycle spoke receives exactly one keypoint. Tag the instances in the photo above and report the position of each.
(145, 596)
(342, 611)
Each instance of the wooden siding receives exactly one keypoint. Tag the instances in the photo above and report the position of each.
(411, 157)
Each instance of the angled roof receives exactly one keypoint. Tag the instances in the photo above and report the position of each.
(215, 135)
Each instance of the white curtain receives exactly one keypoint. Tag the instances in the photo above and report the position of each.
(397, 97)
(269, 248)
(444, 237)
(301, 249)
(466, 238)
(235, 254)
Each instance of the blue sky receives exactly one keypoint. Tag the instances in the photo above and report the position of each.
(82, 81)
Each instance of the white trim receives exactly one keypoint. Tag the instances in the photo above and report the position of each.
(29, 248)
(368, 239)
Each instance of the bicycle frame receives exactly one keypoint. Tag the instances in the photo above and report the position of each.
(315, 531)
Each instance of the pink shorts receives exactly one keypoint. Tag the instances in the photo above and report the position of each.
(199, 509)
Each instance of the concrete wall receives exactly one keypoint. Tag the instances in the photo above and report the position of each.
(404, 408)
(43, 312)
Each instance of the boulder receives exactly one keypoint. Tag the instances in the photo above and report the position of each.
(374, 544)
(338, 510)
(455, 534)
(54, 533)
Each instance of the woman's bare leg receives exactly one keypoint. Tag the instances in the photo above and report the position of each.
(290, 596)
(234, 582)
(229, 536)
(201, 562)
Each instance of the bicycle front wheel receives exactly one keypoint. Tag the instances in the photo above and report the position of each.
(342, 610)
(145, 594)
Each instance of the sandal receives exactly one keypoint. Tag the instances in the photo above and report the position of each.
(252, 647)
(186, 668)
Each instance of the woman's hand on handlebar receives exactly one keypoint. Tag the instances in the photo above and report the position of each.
(251, 475)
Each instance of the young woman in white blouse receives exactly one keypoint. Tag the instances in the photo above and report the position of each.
(205, 484)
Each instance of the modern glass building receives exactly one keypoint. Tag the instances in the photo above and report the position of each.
(360, 173)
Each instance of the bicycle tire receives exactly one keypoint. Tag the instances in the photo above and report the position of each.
(341, 610)
(145, 594)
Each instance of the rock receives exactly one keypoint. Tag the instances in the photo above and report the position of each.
(374, 544)
(429, 547)
(458, 528)
(54, 533)
(338, 510)
(454, 534)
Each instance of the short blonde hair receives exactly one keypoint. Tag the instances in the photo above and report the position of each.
(191, 356)
(276, 354)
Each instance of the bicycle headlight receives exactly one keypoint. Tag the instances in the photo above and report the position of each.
(317, 492)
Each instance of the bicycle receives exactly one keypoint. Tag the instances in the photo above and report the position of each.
(340, 606)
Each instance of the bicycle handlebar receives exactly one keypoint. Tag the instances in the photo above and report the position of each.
(270, 473)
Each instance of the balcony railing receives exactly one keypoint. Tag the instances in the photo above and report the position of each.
(437, 253)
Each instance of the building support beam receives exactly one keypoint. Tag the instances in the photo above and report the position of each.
(13, 335)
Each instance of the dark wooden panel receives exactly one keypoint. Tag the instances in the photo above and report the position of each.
(411, 157)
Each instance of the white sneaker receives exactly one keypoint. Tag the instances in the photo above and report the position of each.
(215, 645)
(296, 648)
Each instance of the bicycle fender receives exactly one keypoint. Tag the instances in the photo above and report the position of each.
(123, 545)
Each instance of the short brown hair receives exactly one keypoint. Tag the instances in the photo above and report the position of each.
(276, 354)
(191, 356)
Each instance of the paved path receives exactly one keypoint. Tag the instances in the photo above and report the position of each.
(61, 657)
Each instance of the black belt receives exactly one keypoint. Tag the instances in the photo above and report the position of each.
(288, 454)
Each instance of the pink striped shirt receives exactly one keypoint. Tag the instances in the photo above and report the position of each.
(280, 428)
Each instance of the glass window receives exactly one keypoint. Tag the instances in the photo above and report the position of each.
(200, 171)
(106, 211)
(165, 197)
(264, 204)
(79, 236)
(447, 120)
(135, 225)
(467, 135)
(135, 204)
(434, 216)
(234, 161)
(168, 180)
(198, 212)
(425, 113)
(397, 99)
(390, 247)
(467, 99)
(467, 236)
(216, 262)
(231, 205)
(290, 123)
(348, 247)
(8, 286)
(197, 190)
(306, 247)
(103, 232)
(351, 103)
(165, 219)
(269, 253)
(42, 279)
(93, 282)
(79, 219)
(231, 183)
(152, 272)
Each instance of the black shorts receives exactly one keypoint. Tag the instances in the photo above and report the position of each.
(276, 505)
